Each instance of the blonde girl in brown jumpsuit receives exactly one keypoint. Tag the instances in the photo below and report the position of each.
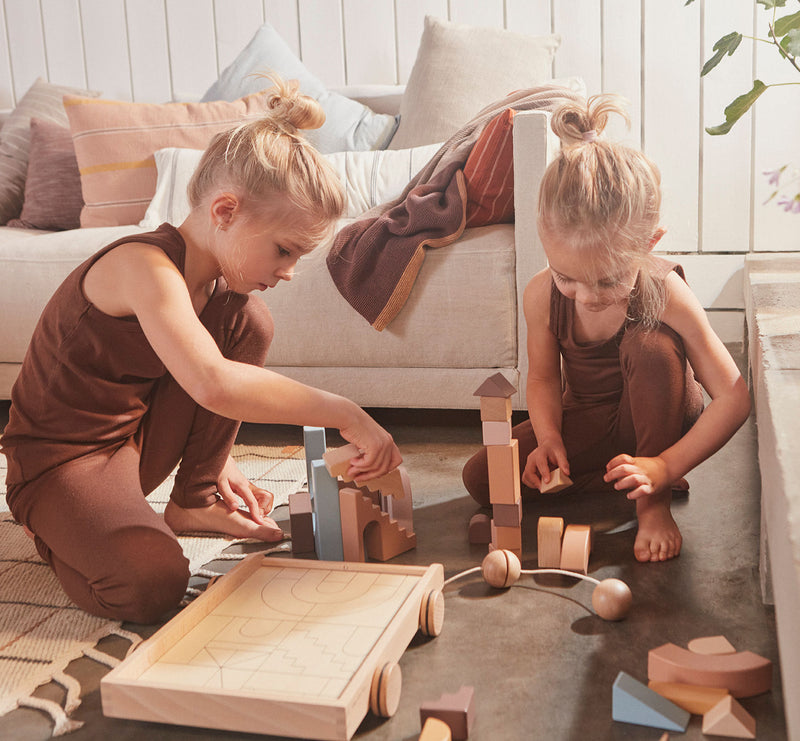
(615, 340)
(151, 353)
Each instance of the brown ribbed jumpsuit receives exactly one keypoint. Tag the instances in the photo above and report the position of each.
(96, 423)
(632, 393)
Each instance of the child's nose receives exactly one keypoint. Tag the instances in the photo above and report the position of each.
(285, 273)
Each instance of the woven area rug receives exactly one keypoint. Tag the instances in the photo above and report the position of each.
(41, 631)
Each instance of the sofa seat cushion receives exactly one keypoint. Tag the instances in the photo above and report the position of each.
(461, 312)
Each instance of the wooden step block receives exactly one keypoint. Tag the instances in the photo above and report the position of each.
(368, 531)
(633, 702)
(549, 532)
(729, 718)
(337, 460)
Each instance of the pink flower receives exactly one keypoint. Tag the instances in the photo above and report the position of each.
(790, 205)
(774, 176)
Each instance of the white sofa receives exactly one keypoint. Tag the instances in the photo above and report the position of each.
(462, 322)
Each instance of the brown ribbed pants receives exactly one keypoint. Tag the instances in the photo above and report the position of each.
(114, 556)
(660, 401)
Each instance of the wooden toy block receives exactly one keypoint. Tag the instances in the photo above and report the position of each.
(576, 547)
(435, 730)
(327, 519)
(729, 718)
(691, 697)
(504, 481)
(480, 529)
(457, 710)
(368, 531)
(507, 515)
(496, 386)
(400, 509)
(337, 460)
(549, 532)
(743, 674)
(711, 646)
(301, 519)
(496, 433)
(495, 409)
(394, 484)
(314, 443)
(634, 702)
(558, 481)
(507, 538)
(269, 649)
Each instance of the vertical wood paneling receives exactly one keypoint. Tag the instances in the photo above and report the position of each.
(105, 40)
(7, 98)
(726, 159)
(62, 27)
(671, 110)
(488, 13)
(622, 64)
(373, 58)
(531, 17)
(236, 22)
(282, 14)
(777, 143)
(27, 55)
(410, 20)
(321, 40)
(578, 22)
(192, 47)
(148, 45)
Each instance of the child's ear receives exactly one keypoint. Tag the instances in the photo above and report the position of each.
(224, 208)
(657, 234)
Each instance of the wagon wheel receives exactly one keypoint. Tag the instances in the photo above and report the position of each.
(431, 613)
(384, 694)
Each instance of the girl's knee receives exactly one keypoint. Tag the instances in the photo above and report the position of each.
(475, 476)
(653, 352)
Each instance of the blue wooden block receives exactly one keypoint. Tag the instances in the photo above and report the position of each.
(634, 702)
(327, 515)
(314, 443)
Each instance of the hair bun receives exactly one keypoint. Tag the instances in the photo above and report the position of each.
(576, 123)
(290, 108)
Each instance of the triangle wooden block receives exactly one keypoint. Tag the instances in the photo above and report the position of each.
(729, 718)
(496, 386)
(634, 702)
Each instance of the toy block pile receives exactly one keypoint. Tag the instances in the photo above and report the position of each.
(337, 523)
(563, 548)
(707, 678)
(502, 451)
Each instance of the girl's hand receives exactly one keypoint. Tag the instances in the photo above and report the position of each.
(379, 454)
(641, 476)
(549, 455)
(233, 486)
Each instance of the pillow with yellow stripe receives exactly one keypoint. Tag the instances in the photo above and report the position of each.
(115, 141)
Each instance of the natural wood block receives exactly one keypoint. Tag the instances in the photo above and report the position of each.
(496, 433)
(729, 718)
(548, 539)
(507, 538)
(337, 460)
(497, 386)
(301, 521)
(633, 702)
(576, 547)
(435, 730)
(691, 697)
(507, 515)
(495, 409)
(711, 646)
(504, 478)
(368, 531)
(314, 444)
(558, 481)
(480, 529)
(327, 518)
(395, 483)
(457, 710)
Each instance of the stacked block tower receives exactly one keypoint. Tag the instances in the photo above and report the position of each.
(502, 453)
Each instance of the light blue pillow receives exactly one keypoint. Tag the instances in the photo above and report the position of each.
(349, 125)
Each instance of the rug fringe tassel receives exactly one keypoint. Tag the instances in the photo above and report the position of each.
(61, 723)
(101, 657)
(73, 689)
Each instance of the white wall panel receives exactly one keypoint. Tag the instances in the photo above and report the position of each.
(410, 22)
(26, 53)
(622, 65)
(148, 45)
(236, 21)
(488, 13)
(726, 159)
(531, 17)
(105, 44)
(578, 22)
(671, 110)
(321, 40)
(374, 58)
(283, 16)
(62, 25)
(192, 47)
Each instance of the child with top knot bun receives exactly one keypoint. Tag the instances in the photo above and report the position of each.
(617, 342)
(152, 352)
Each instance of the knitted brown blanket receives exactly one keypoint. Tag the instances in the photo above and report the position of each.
(375, 260)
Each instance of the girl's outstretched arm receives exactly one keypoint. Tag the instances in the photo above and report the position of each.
(728, 409)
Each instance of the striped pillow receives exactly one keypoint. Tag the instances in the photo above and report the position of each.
(115, 141)
(489, 173)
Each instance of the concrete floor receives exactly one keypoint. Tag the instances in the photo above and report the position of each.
(542, 664)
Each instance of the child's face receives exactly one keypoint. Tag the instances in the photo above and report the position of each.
(596, 284)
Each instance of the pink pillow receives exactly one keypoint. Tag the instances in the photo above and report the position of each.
(53, 185)
(115, 141)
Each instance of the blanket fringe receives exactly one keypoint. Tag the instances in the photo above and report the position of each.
(101, 657)
(61, 723)
(73, 689)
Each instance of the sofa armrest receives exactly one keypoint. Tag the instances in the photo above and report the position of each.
(535, 145)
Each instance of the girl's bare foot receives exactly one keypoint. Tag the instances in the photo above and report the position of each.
(217, 518)
(658, 538)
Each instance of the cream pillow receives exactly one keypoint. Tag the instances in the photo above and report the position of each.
(461, 69)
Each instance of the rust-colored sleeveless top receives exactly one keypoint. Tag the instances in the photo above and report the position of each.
(86, 377)
(591, 370)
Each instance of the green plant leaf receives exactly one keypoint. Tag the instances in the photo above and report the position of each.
(726, 45)
(791, 42)
(787, 23)
(738, 108)
(772, 3)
